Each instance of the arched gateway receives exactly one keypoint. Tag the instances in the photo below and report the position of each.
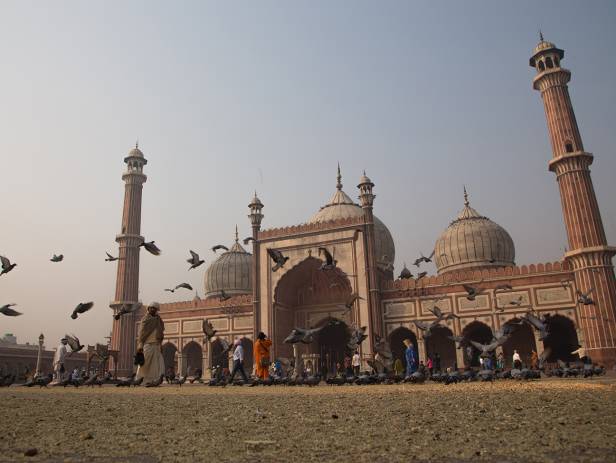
(308, 297)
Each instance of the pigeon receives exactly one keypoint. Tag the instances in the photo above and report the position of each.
(305, 336)
(181, 285)
(485, 349)
(156, 382)
(248, 240)
(503, 287)
(125, 382)
(358, 335)
(440, 315)
(126, 309)
(382, 349)
(91, 381)
(110, 258)
(55, 258)
(73, 342)
(82, 307)
(459, 340)
(423, 258)
(7, 380)
(329, 263)
(504, 332)
(194, 260)
(472, 291)
(585, 299)
(151, 247)
(537, 323)
(517, 302)
(278, 258)
(565, 283)
(405, 274)
(208, 329)
(223, 296)
(6, 265)
(426, 327)
(219, 246)
(137, 382)
(421, 275)
(224, 344)
(351, 301)
(6, 310)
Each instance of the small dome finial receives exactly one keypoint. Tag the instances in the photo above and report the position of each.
(237, 239)
(466, 202)
(540, 35)
(339, 179)
(137, 144)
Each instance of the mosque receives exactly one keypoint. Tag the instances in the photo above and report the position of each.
(473, 249)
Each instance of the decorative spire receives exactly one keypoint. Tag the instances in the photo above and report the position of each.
(339, 179)
(466, 202)
(137, 144)
(540, 35)
(236, 236)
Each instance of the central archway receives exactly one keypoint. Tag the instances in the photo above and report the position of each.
(331, 344)
(396, 343)
(305, 297)
(562, 339)
(522, 339)
(478, 332)
(440, 343)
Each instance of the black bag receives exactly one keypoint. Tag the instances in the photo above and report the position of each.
(139, 359)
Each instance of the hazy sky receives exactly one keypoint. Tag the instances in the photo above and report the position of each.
(230, 97)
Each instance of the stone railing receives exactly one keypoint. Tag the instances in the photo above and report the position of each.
(212, 303)
(310, 227)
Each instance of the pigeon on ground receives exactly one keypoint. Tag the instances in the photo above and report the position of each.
(126, 309)
(82, 307)
(277, 257)
(6, 265)
(59, 258)
(194, 260)
(156, 382)
(151, 247)
(208, 329)
(125, 382)
(6, 310)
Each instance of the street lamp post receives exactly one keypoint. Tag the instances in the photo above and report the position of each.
(41, 339)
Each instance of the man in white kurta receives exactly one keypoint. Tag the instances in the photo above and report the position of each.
(58, 360)
(149, 342)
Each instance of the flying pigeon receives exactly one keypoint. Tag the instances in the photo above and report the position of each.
(59, 258)
(585, 299)
(151, 247)
(486, 349)
(194, 260)
(126, 309)
(208, 329)
(73, 342)
(472, 291)
(277, 257)
(110, 258)
(223, 296)
(440, 315)
(351, 301)
(6, 265)
(405, 274)
(6, 310)
(82, 307)
(503, 287)
(181, 285)
(305, 336)
(248, 240)
(358, 335)
(423, 258)
(537, 323)
(219, 246)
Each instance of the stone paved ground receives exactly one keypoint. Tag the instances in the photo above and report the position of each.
(508, 421)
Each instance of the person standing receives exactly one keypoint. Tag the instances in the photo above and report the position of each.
(149, 343)
(58, 360)
(430, 365)
(411, 357)
(238, 361)
(534, 360)
(356, 363)
(262, 355)
(348, 370)
(500, 361)
(517, 361)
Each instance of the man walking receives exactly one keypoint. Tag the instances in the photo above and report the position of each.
(150, 344)
(238, 361)
(58, 360)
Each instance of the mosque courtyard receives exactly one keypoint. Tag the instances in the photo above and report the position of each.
(505, 421)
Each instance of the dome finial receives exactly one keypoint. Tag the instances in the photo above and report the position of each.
(339, 179)
(236, 235)
(466, 202)
(540, 36)
(137, 144)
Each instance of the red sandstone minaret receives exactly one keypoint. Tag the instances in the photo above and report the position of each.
(589, 254)
(127, 283)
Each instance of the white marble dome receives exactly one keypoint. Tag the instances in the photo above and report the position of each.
(231, 273)
(341, 206)
(473, 241)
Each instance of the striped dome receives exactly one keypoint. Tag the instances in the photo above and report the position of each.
(231, 273)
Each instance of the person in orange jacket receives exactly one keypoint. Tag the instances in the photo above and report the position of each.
(262, 355)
